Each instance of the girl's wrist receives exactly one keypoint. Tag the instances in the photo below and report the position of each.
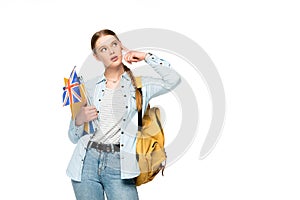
(147, 55)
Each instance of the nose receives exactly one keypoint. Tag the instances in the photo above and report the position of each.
(111, 51)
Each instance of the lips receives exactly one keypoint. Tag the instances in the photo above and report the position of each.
(114, 59)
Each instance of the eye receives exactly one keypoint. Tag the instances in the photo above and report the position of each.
(115, 44)
(103, 49)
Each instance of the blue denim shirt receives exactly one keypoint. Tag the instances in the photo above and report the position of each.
(151, 87)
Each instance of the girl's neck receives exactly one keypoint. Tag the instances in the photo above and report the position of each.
(113, 76)
(114, 73)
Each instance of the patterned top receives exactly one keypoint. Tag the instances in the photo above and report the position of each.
(112, 110)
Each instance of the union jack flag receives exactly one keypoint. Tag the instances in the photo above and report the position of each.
(72, 89)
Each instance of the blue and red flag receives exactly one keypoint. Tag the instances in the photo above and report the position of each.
(75, 96)
(72, 89)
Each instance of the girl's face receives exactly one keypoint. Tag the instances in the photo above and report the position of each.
(108, 49)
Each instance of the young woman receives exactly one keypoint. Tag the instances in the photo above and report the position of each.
(105, 162)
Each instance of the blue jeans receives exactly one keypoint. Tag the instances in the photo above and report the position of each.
(101, 174)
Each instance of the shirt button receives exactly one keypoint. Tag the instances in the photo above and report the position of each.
(102, 90)
(124, 95)
(124, 120)
(122, 132)
(126, 106)
(122, 145)
(99, 99)
(122, 86)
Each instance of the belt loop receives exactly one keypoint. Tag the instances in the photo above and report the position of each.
(112, 148)
(97, 147)
(89, 144)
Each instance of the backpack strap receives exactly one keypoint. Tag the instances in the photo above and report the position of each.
(138, 82)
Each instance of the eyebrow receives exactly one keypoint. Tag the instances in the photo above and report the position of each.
(110, 43)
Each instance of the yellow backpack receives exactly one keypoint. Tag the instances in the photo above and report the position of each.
(150, 143)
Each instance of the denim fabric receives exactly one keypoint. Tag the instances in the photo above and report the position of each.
(151, 87)
(102, 175)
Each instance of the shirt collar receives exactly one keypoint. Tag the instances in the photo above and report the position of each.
(103, 79)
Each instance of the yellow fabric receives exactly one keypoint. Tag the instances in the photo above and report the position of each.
(150, 144)
(138, 82)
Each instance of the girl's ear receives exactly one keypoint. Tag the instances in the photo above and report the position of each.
(97, 57)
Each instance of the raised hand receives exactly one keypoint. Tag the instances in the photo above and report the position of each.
(133, 56)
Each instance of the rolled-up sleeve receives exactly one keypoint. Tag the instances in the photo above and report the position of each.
(168, 80)
(75, 132)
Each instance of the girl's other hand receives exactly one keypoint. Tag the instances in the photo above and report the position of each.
(86, 114)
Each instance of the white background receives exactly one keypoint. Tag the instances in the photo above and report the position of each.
(254, 45)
